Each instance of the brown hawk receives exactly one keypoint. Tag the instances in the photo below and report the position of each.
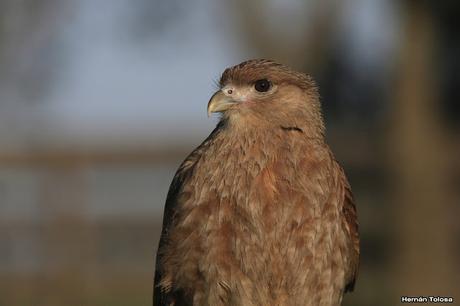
(260, 213)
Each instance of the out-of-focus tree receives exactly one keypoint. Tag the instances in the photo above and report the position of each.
(424, 254)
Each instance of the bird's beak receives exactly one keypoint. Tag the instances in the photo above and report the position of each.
(219, 102)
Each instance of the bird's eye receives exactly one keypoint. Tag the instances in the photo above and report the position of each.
(262, 85)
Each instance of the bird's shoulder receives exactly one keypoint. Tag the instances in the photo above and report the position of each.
(187, 167)
(350, 224)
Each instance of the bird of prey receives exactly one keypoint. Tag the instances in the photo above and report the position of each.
(260, 213)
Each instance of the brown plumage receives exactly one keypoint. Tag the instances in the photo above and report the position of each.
(260, 213)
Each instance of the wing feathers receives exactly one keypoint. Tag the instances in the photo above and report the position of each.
(165, 294)
(351, 225)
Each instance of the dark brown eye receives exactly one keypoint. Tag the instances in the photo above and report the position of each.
(262, 85)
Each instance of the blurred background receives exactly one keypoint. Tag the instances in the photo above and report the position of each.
(101, 100)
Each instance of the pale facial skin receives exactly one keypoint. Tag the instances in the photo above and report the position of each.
(232, 96)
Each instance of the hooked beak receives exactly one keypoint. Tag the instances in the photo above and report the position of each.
(219, 102)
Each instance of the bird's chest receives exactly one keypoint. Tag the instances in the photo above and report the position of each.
(240, 183)
(253, 218)
(248, 202)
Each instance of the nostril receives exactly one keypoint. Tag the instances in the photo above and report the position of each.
(229, 91)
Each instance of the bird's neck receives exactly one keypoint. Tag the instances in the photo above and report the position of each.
(261, 142)
(249, 130)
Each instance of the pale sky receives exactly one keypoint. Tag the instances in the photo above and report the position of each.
(112, 89)
(152, 91)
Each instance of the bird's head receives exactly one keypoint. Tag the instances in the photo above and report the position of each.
(265, 94)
